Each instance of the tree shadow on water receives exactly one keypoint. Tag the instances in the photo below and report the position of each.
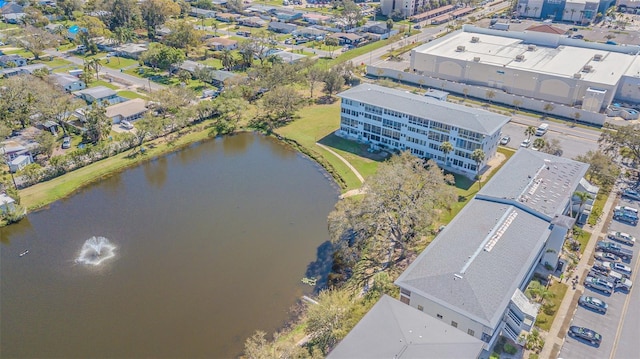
(320, 268)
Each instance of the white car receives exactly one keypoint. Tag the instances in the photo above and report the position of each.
(526, 143)
(622, 237)
(618, 267)
(126, 125)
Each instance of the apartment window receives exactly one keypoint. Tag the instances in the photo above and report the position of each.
(404, 299)
(439, 316)
(486, 337)
(420, 308)
(405, 292)
(454, 324)
(471, 332)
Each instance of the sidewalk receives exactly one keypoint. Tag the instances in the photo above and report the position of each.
(555, 338)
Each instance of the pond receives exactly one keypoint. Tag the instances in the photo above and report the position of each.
(192, 253)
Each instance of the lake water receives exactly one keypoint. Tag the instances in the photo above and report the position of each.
(210, 245)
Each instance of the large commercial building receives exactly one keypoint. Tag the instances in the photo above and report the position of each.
(395, 119)
(537, 65)
(576, 11)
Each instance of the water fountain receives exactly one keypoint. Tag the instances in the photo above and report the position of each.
(96, 250)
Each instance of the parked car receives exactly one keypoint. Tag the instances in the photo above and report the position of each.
(126, 125)
(625, 217)
(585, 334)
(505, 139)
(604, 256)
(622, 237)
(598, 284)
(614, 248)
(526, 143)
(66, 142)
(593, 303)
(578, 36)
(600, 268)
(618, 267)
(631, 194)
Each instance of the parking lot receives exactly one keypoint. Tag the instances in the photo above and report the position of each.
(608, 325)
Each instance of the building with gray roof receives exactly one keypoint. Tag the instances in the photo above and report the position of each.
(394, 330)
(98, 94)
(473, 274)
(402, 120)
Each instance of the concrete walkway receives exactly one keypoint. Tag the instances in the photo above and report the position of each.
(557, 333)
(355, 171)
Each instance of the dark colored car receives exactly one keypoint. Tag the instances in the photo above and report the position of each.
(631, 194)
(593, 303)
(585, 334)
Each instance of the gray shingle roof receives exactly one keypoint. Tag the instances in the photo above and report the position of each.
(459, 273)
(98, 92)
(538, 180)
(392, 329)
(476, 120)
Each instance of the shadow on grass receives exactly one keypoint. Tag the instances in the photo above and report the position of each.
(358, 149)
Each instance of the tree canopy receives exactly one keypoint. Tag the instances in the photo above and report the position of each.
(403, 200)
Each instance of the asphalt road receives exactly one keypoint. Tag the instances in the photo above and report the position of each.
(619, 326)
(135, 81)
(574, 141)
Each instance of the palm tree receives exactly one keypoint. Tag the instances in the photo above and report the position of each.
(227, 59)
(96, 64)
(583, 197)
(539, 143)
(215, 29)
(529, 131)
(478, 157)
(446, 147)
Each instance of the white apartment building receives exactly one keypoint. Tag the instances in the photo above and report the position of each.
(405, 7)
(400, 120)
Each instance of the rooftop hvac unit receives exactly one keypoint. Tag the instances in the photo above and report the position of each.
(476, 59)
(520, 58)
(587, 68)
(597, 57)
(531, 48)
(460, 48)
(577, 75)
(475, 39)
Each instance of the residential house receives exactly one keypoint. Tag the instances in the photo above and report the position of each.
(252, 21)
(395, 119)
(202, 13)
(286, 15)
(12, 12)
(288, 57)
(98, 94)
(315, 18)
(392, 329)
(12, 61)
(191, 66)
(261, 9)
(6, 203)
(19, 163)
(473, 275)
(15, 148)
(221, 77)
(131, 51)
(127, 111)
(227, 17)
(221, 43)
(348, 38)
(282, 27)
(310, 33)
(219, 2)
(375, 27)
(69, 83)
(23, 70)
(54, 28)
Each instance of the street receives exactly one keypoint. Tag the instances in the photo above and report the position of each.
(619, 326)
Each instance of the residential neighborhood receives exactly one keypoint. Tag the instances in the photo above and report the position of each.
(410, 178)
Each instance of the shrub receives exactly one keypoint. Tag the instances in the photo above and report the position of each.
(510, 349)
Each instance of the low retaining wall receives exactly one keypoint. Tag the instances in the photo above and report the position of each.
(480, 92)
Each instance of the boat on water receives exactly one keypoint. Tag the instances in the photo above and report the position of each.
(24, 253)
(309, 281)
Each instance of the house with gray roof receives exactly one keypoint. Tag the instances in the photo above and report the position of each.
(69, 83)
(24, 70)
(12, 61)
(98, 94)
(394, 330)
(399, 120)
(473, 275)
(282, 27)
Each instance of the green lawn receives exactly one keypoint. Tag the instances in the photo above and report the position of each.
(356, 52)
(55, 62)
(117, 63)
(20, 52)
(544, 321)
(212, 62)
(131, 95)
(95, 83)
